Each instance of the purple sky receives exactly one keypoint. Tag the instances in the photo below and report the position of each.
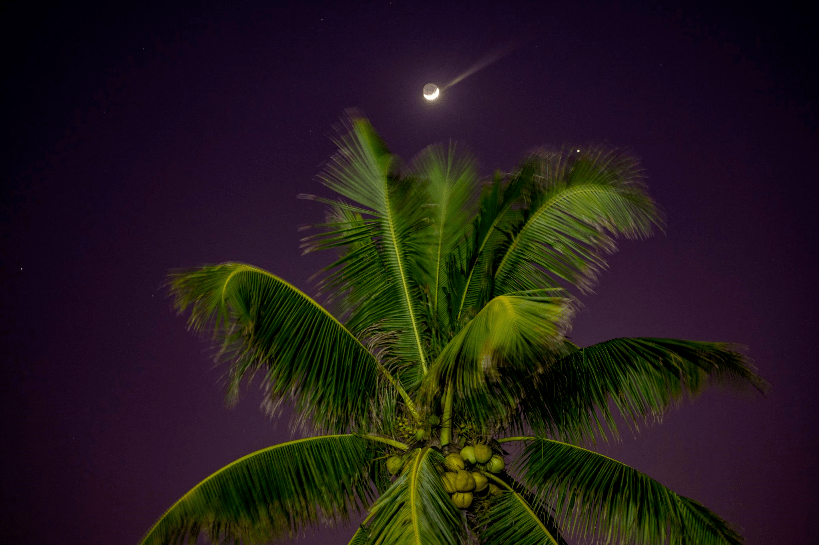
(153, 138)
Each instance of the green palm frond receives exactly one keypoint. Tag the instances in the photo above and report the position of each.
(395, 219)
(512, 334)
(471, 272)
(356, 238)
(360, 536)
(579, 203)
(274, 493)
(450, 176)
(365, 306)
(516, 516)
(360, 304)
(640, 377)
(416, 510)
(264, 324)
(596, 497)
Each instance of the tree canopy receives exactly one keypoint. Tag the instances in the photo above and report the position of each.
(451, 297)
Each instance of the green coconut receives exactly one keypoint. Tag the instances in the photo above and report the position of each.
(482, 453)
(394, 464)
(454, 462)
(468, 454)
(481, 481)
(464, 481)
(449, 482)
(433, 420)
(496, 464)
(421, 434)
(462, 499)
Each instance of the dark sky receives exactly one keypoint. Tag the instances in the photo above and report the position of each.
(138, 139)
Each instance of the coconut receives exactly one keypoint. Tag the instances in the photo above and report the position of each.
(464, 481)
(433, 420)
(462, 499)
(449, 482)
(480, 481)
(482, 453)
(454, 462)
(394, 464)
(468, 454)
(421, 434)
(496, 464)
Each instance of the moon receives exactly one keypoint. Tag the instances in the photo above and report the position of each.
(431, 91)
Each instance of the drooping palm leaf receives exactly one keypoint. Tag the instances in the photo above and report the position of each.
(264, 324)
(510, 336)
(274, 493)
(640, 377)
(581, 201)
(363, 170)
(596, 497)
(416, 510)
(517, 516)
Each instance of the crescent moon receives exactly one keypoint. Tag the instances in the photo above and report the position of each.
(431, 91)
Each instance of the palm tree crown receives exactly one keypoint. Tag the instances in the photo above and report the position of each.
(452, 303)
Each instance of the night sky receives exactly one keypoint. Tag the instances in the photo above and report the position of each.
(139, 139)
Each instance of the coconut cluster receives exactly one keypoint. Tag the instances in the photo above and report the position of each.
(419, 431)
(464, 477)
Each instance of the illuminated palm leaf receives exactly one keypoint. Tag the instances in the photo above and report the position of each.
(639, 377)
(264, 324)
(274, 493)
(450, 177)
(598, 498)
(508, 337)
(577, 205)
(364, 171)
(517, 516)
(471, 271)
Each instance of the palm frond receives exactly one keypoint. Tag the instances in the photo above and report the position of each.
(416, 510)
(596, 497)
(274, 493)
(510, 336)
(360, 536)
(367, 307)
(262, 323)
(581, 201)
(451, 177)
(640, 377)
(471, 272)
(517, 516)
(395, 221)
(355, 237)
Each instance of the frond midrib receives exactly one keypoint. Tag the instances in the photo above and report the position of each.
(403, 280)
(242, 267)
(416, 467)
(439, 253)
(525, 505)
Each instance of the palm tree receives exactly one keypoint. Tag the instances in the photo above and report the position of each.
(449, 345)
